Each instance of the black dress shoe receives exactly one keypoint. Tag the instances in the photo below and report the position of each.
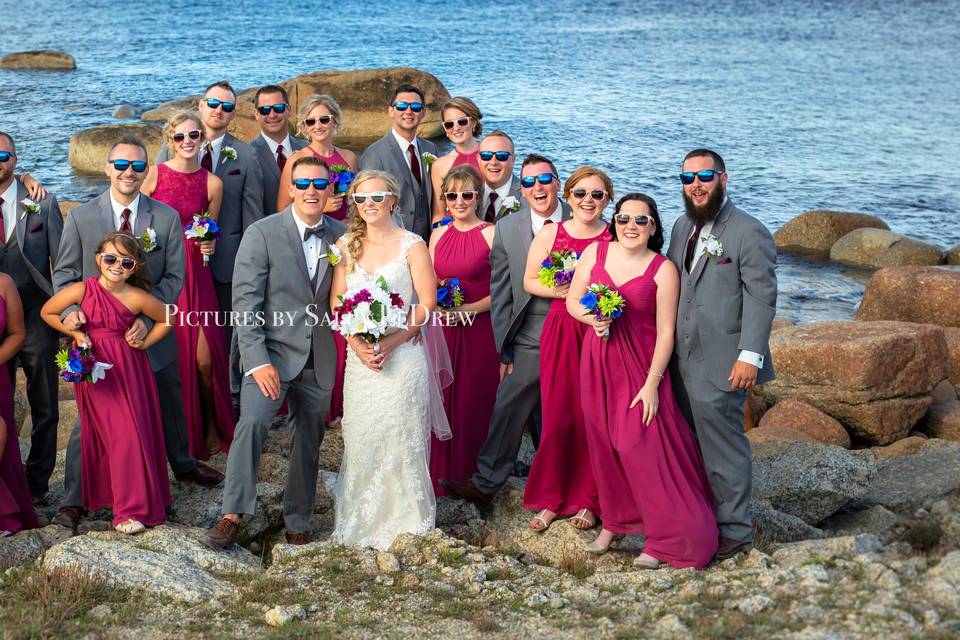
(69, 517)
(729, 547)
(468, 491)
(203, 475)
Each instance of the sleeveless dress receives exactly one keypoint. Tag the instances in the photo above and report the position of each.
(16, 504)
(383, 488)
(123, 461)
(651, 479)
(473, 352)
(561, 478)
(187, 193)
(472, 159)
(335, 158)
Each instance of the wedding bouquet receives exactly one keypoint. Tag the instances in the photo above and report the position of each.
(557, 270)
(368, 312)
(604, 303)
(79, 365)
(201, 229)
(449, 294)
(341, 177)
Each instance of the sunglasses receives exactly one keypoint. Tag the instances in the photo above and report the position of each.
(5, 155)
(687, 177)
(416, 107)
(596, 194)
(122, 165)
(127, 264)
(502, 156)
(227, 107)
(543, 178)
(624, 218)
(322, 120)
(265, 109)
(375, 196)
(194, 135)
(460, 122)
(467, 196)
(318, 183)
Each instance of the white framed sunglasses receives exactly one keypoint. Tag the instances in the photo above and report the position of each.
(375, 196)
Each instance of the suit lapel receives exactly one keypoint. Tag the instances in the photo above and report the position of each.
(263, 148)
(399, 159)
(144, 216)
(20, 224)
(107, 222)
(720, 222)
(227, 142)
(323, 265)
(296, 245)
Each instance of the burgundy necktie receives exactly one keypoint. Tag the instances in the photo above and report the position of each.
(414, 163)
(3, 230)
(125, 225)
(491, 213)
(547, 221)
(692, 246)
(207, 160)
(281, 159)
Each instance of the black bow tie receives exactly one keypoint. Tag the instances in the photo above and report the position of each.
(313, 231)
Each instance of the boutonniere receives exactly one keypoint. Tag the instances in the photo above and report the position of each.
(29, 207)
(442, 222)
(712, 246)
(229, 153)
(428, 158)
(510, 205)
(334, 256)
(149, 239)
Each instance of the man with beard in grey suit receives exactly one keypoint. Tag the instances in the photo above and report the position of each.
(400, 153)
(517, 323)
(728, 297)
(282, 291)
(501, 194)
(274, 145)
(29, 241)
(123, 208)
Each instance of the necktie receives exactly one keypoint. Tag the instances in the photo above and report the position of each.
(414, 162)
(313, 231)
(207, 160)
(125, 224)
(491, 214)
(547, 221)
(3, 230)
(281, 158)
(692, 246)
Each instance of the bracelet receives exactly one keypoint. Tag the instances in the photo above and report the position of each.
(659, 375)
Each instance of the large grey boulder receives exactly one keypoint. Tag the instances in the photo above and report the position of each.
(201, 507)
(26, 546)
(777, 526)
(942, 583)
(904, 482)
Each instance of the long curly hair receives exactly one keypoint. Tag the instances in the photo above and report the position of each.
(131, 247)
(356, 225)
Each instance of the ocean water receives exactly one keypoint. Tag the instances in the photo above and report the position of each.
(848, 105)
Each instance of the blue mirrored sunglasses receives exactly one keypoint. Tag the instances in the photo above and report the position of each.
(707, 175)
(416, 107)
(502, 156)
(5, 155)
(122, 165)
(265, 109)
(213, 103)
(543, 178)
(318, 183)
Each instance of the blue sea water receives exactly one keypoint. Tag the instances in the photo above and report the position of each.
(847, 105)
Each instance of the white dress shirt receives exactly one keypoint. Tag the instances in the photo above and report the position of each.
(405, 145)
(10, 209)
(215, 146)
(503, 192)
(273, 144)
(537, 221)
(118, 211)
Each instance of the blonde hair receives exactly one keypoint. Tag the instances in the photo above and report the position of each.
(469, 107)
(310, 103)
(176, 120)
(586, 172)
(356, 225)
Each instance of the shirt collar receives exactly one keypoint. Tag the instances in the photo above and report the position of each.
(405, 144)
(301, 225)
(118, 208)
(10, 195)
(218, 143)
(287, 147)
(503, 191)
(557, 215)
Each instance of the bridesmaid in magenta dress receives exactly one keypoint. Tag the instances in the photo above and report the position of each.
(561, 479)
(461, 250)
(463, 124)
(203, 360)
(317, 120)
(648, 467)
(122, 454)
(16, 505)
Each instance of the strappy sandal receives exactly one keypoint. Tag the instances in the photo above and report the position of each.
(130, 527)
(598, 549)
(542, 518)
(582, 517)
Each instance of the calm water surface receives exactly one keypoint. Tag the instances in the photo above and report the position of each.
(844, 105)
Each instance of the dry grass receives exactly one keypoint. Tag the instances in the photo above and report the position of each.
(577, 564)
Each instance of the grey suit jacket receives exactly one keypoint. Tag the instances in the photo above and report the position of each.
(242, 201)
(515, 192)
(86, 226)
(270, 171)
(271, 283)
(727, 305)
(508, 263)
(39, 237)
(415, 199)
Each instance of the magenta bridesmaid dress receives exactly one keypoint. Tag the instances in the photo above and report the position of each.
(561, 478)
(472, 159)
(187, 193)
(16, 505)
(651, 479)
(469, 400)
(122, 455)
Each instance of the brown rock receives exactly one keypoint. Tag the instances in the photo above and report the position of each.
(875, 378)
(878, 248)
(66, 206)
(778, 433)
(815, 232)
(913, 294)
(779, 322)
(943, 393)
(88, 148)
(801, 417)
(753, 408)
(44, 60)
(953, 355)
(363, 97)
(943, 421)
(905, 447)
(953, 255)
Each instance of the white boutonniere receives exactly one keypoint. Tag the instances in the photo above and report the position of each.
(712, 246)
(229, 153)
(149, 239)
(333, 255)
(428, 158)
(29, 207)
(510, 205)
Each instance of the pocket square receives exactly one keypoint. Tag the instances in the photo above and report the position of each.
(37, 227)
(724, 261)
(233, 172)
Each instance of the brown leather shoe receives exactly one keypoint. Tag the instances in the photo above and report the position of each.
(69, 517)
(297, 538)
(729, 547)
(223, 534)
(467, 491)
(203, 475)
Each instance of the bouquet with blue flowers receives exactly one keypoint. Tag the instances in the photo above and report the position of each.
(201, 229)
(605, 303)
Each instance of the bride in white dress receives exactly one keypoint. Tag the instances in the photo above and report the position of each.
(384, 488)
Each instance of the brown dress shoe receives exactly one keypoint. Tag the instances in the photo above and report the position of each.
(222, 534)
(467, 491)
(203, 475)
(297, 538)
(729, 547)
(68, 517)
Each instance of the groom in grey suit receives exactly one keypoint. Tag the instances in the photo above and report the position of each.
(517, 324)
(400, 153)
(274, 145)
(728, 297)
(282, 289)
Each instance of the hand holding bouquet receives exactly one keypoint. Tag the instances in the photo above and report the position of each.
(202, 229)
(79, 365)
(603, 303)
(557, 270)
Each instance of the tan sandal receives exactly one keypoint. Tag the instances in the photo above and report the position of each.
(542, 518)
(130, 527)
(582, 517)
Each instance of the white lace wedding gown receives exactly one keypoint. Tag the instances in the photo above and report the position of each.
(384, 484)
